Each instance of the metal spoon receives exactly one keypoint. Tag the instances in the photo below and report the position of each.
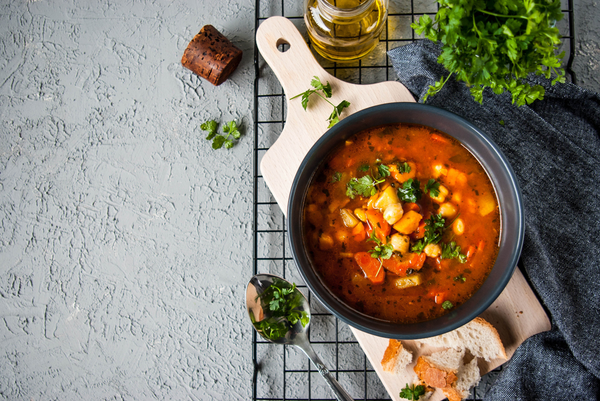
(296, 335)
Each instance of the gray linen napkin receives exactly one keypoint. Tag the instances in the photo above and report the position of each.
(554, 147)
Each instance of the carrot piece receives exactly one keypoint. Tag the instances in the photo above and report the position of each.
(439, 138)
(377, 222)
(441, 264)
(407, 207)
(470, 252)
(399, 265)
(419, 232)
(438, 296)
(359, 232)
(371, 267)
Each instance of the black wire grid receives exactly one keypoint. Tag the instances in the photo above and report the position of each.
(283, 372)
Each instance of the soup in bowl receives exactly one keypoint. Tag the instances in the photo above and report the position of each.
(405, 220)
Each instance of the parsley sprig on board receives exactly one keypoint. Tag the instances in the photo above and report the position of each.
(319, 88)
(412, 392)
(281, 303)
(496, 44)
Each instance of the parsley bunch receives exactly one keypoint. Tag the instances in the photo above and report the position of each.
(318, 86)
(496, 44)
(218, 140)
(434, 230)
(281, 302)
(412, 392)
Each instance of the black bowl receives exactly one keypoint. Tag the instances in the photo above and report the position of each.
(499, 172)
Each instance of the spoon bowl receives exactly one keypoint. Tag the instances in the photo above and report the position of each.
(295, 333)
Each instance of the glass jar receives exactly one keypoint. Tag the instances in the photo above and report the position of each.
(345, 30)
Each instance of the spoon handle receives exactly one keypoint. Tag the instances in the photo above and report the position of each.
(337, 389)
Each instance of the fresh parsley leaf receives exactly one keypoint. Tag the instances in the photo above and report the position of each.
(364, 186)
(452, 251)
(412, 392)
(211, 127)
(384, 171)
(336, 177)
(447, 305)
(326, 90)
(496, 45)
(410, 191)
(381, 250)
(334, 117)
(363, 168)
(433, 188)
(218, 141)
(403, 168)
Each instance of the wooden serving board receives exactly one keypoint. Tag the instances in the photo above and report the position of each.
(516, 314)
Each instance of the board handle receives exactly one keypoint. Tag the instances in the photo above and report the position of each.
(294, 67)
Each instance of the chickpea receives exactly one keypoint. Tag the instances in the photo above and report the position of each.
(447, 209)
(432, 250)
(458, 226)
(393, 213)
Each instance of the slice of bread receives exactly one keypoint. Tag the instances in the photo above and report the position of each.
(478, 336)
(468, 377)
(395, 357)
(440, 369)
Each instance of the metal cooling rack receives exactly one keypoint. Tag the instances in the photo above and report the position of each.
(284, 373)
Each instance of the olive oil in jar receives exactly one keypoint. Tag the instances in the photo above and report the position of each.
(345, 30)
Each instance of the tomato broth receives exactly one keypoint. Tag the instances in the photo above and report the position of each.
(402, 223)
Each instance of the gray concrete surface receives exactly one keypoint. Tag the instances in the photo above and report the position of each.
(125, 240)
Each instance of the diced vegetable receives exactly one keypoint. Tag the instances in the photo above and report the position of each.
(325, 242)
(439, 138)
(408, 281)
(400, 243)
(411, 206)
(359, 232)
(408, 223)
(403, 176)
(371, 267)
(447, 209)
(443, 192)
(348, 218)
(388, 197)
(338, 204)
(378, 224)
(420, 231)
(361, 214)
(487, 204)
(341, 235)
(458, 226)
(439, 170)
(372, 200)
(393, 213)
(400, 264)
(455, 177)
(346, 254)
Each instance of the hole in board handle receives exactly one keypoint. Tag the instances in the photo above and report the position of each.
(282, 45)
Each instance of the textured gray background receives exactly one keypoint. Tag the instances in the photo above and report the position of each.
(125, 241)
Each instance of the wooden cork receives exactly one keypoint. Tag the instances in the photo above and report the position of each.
(211, 55)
